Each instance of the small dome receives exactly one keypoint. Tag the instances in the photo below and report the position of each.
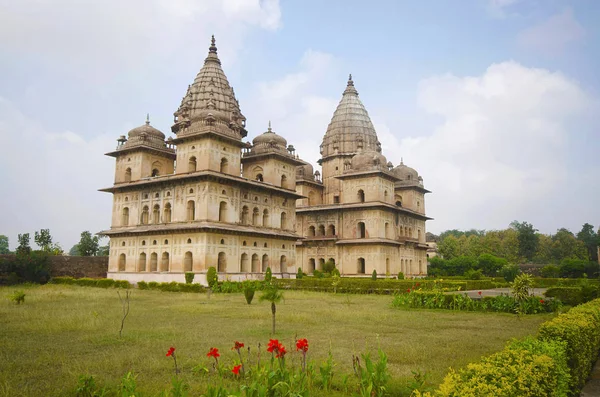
(146, 129)
(305, 171)
(368, 160)
(270, 137)
(406, 173)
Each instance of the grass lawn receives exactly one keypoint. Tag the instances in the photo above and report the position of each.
(61, 332)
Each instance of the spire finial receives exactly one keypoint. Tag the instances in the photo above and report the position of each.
(147, 118)
(401, 161)
(213, 47)
(269, 129)
(350, 82)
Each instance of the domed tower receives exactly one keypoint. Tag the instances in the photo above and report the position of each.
(349, 132)
(269, 159)
(144, 153)
(409, 189)
(209, 124)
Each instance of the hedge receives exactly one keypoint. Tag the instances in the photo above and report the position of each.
(562, 282)
(578, 328)
(173, 286)
(572, 296)
(91, 282)
(530, 367)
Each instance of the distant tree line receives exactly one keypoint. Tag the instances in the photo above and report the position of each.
(88, 245)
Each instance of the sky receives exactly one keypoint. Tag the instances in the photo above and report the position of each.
(496, 103)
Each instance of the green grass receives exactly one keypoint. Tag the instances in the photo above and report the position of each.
(64, 331)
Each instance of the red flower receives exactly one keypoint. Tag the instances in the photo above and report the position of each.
(408, 290)
(236, 369)
(272, 345)
(213, 352)
(417, 284)
(280, 351)
(542, 301)
(171, 351)
(238, 345)
(302, 344)
(479, 293)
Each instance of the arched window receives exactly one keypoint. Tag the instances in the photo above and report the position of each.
(255, 264)
(283, 220)
(188, 262)
(311, 265)
(265, 221)
(125, 217)
(360, 266)
(255, 216)
(167, 214)
(191, 210)
(192, 164)
(155, 172)
(385, 195)
(361, 230)
(244, 243)
(311, 231)
(164, 263)
(311, 198)
(361, 196)
(245, 215)
(283, 264)
(386, 230)
(222, 263)
(321, 263)
(259, 177)
(398, 203)
(128, 175)
(244, 263)
(321, 230)
(156, 214)
(284, 183)
(331, 230)
(265, 245)
(222, 211)
(419, 234)
(224, 165)
(153, 262)
(145, 214)
(189, 240)
(387, 266)
(410, 233)
(122, 262)
(265, 262)
(421, 270)
(402, 269)
(142, 262)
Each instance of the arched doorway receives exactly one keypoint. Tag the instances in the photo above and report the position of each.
(361, 230)
(283, 264)
(244, 263)
(222, 263)
(164, 263)
(265, 262)
(360, 266)
(255, 264)
(122, 262)
(154, 262)
(311, 265)
(142, 262)
(188, 262)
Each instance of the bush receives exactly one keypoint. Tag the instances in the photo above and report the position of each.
(189, 277)
(318, 274)
(268, 275)
(550, 271)
(328, 266)
(336, 273)
(509, 272)
(211, 277)
(105, 283)
(249, 293)
(142, 285)
(374, 275)
(489, 264)
(400, 276)
(572, 268)
(299, 275)
(18, 297)
(530, 367)
(473, 274)
(32, 267)
(568, 295)
(578, 329)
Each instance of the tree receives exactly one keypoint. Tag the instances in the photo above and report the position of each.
(528, 239)
(490, 265)
(88, 244)
(23, 247)
(566, 246)
(74, 251)
(4, 247)
(103, 250)
(272, 294)
(590, 238)
(43, 239)
(449, 247)
(543, 253)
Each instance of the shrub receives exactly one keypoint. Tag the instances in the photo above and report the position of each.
(328, 266)
(33, 267)
(489, 264)
(189, 277)
(211, 277)
(142, 285)
(458, 266)
(473, 274)
(550, 271)
(18, 297)
(318, 274)
(122, 284)
(509, 272)
(299, 275)
(249, 293)
(400, 276)
(567, 295)
(336, 273)
(524, 368)
(268, 275)
(578, 329)
(105, 283)
(374, 275)
(572, 268)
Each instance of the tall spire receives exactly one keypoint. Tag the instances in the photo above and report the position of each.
(350, 87)
(147, 118)
(213, 47)
(212, 52)
(269, 129)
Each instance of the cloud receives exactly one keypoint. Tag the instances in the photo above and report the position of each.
(500, 152)
(554, 35)
(53, 179)
(501, 8)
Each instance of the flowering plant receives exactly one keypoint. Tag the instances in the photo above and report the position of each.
(302, 345)
(214, 352)
(171, 353)
(238, 346)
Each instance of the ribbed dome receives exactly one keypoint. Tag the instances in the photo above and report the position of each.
(146, 129)
(305, 171)
(369, 160)
(350, 129)
(210, 97)
(406, 173)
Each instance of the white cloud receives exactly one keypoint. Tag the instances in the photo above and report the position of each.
(501, 8)
(50, 179)
(500, 152)
(554, 35)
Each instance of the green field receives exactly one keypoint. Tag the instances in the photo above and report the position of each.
(64, 331)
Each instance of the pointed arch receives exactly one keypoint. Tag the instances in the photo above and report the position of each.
(188, 262)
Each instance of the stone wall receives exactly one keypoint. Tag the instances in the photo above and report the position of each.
(75, 266)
